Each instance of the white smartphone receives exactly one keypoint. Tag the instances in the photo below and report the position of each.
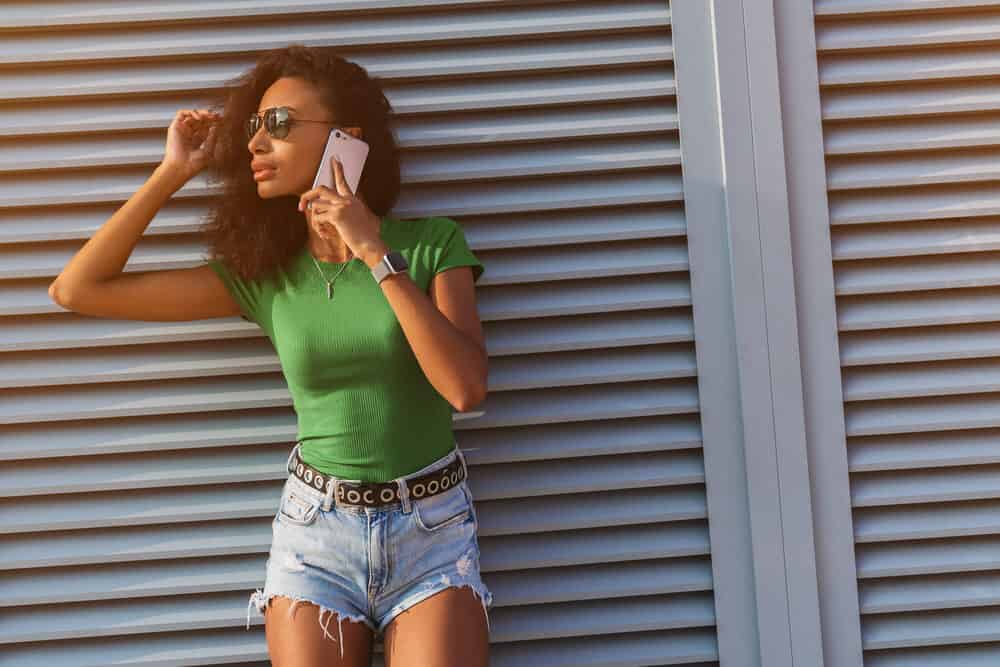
(352, 154)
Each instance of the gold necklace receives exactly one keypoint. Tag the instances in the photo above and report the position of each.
(329, 283)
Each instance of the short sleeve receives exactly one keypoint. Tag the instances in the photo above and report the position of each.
(453, 249)
(246, 294)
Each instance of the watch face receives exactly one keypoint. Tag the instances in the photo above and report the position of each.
(396, 259)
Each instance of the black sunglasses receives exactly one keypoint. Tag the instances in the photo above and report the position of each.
(277, 122)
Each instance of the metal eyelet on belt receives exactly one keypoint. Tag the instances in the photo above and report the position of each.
(382, 494)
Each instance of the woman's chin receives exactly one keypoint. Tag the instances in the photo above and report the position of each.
(267, 190)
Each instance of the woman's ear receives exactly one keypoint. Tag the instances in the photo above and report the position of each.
(355, 132)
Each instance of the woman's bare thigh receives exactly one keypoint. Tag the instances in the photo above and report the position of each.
(297, 640)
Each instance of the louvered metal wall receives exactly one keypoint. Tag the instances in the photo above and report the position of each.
(910, 111)
(549, 130)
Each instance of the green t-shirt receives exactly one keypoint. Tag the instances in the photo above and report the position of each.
(365, 408)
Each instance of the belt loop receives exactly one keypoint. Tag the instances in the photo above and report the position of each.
(331, 493)
(404, 495)
(465, 466)
(291, 457)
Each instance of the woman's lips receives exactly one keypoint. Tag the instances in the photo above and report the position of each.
(263, 174)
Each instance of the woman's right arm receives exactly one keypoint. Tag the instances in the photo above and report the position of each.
(93, 282)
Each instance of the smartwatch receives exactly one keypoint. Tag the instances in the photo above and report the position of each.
(392, 262)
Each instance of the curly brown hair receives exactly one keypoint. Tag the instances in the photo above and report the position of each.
(254, 236)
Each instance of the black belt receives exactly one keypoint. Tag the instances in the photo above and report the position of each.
(378, 494)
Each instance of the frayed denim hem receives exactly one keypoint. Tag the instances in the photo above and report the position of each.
(258, 599)
(479, 589)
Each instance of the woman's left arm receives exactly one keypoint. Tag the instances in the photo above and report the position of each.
(443, 330)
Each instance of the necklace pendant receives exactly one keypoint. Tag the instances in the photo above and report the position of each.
(329, 290)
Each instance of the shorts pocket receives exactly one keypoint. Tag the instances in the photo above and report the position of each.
(296, 509)
(443, 509)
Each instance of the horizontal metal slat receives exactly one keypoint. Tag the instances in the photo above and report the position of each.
(559, 405)
(911, 169)
(627, 364)
(922, 380)
(910, 274)
(909, 204)
(589, 332)
(610, 580)
(896, 346)
(931, 628)
(971, 655)
(587, 261)
(149, 434)
(923, 450)
(181, 216)
(130, 581)
(897, 559)
(930, 593)
(903, 487)
(911, 66)
(592, 618)
(924, 522)
(48, 260)
(937, 413)
(918, 134)
(942, 237)
(40, 405)
(139, 363)
(923, 29)
(596, 295)
(929, 99)
(73, 331)
(863, 7)
(611, 542)
(923, 309)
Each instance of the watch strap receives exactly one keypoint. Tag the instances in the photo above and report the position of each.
(391, 262)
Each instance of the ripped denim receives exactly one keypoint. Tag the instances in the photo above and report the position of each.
(339, 557)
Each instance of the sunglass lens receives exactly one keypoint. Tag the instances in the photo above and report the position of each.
(276, 122)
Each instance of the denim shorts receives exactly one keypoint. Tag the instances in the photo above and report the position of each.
(368, 564)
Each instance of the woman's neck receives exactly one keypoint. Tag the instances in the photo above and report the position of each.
(329, 251)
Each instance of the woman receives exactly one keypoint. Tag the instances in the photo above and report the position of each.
(375, 524)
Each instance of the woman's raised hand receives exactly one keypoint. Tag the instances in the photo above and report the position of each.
(190, 141)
